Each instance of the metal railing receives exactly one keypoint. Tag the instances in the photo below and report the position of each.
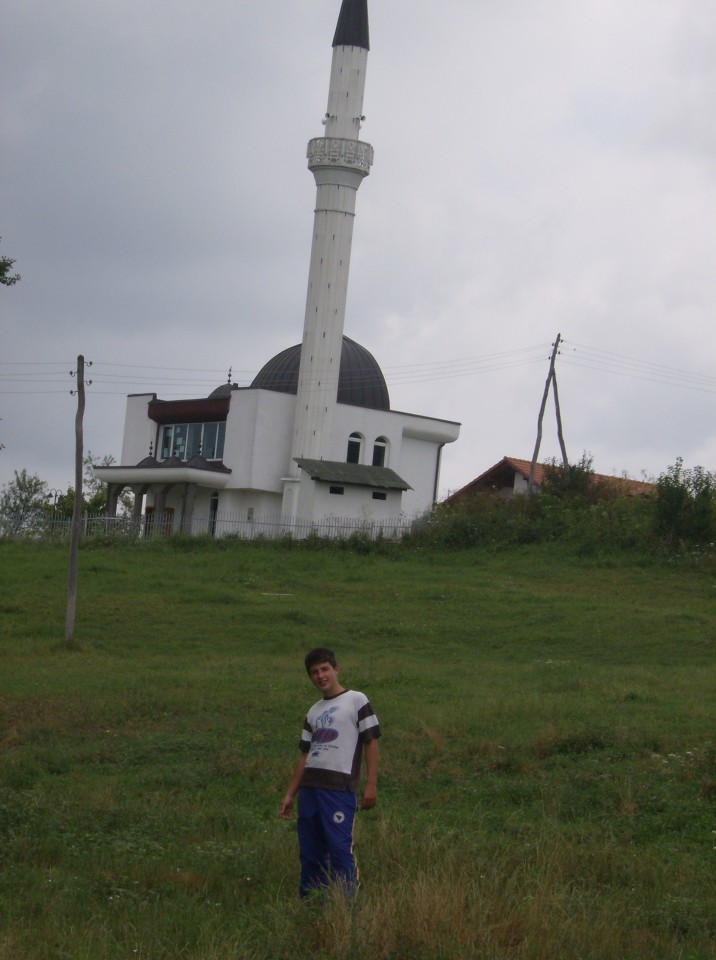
(221, 524)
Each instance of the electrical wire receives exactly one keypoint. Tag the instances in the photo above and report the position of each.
(36, 377)
(594, 358)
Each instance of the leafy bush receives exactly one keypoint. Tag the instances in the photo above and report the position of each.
(577, 508)
(685, 506)
(573, 480)
(586, 523)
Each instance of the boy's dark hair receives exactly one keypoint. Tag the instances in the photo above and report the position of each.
(320, 655)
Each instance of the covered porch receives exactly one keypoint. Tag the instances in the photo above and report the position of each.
(166, 492)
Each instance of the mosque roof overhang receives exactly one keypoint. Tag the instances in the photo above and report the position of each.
(355, 474)
(201, 472)
(201, 410)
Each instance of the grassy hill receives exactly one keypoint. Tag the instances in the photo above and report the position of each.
(548, 784)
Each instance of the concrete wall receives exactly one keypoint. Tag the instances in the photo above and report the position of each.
(139, 431)
(258, 439)
(355, 502)
(413, 445)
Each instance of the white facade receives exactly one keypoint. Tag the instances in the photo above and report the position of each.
(256, 455)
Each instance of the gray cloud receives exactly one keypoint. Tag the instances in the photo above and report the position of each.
(540, 167)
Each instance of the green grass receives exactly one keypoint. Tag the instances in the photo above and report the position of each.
(548, 766)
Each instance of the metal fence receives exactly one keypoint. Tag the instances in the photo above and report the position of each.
(215, 525)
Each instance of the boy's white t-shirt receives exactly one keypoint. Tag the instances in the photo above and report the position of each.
(333, 735)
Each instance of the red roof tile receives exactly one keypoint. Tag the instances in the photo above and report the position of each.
(502, 474)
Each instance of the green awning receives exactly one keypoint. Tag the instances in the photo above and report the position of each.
(355, 474)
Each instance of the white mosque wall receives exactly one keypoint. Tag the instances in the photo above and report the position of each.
(412, 451)
(140, 433)
(418, 463)
(247, 504)
(175, 496)
(370, 424)
(258, 439)
(356, 502)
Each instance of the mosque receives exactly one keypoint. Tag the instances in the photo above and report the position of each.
(313, 439)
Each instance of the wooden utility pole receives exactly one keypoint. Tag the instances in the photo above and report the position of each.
(76, 508)
(558, 414)
(551, 380)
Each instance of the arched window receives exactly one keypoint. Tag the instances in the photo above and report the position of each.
(380, 452)
(355, 448)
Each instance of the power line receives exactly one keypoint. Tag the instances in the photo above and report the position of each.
(593, 358)
(619, 358)
(571, 354)
(396, 374)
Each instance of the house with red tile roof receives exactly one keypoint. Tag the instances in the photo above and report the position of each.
(511, 476)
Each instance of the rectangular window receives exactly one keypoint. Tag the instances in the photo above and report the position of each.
(208, 447)
(220, 440)
(380, 495)
(193, 442)
(338, 490)
(166, 446)
(186, 440)
(179, 446)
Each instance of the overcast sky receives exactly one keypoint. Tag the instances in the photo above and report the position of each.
(541, 167)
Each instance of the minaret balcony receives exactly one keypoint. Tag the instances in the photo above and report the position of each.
(339, 152)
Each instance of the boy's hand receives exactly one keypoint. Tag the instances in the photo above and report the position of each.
(369, 798)
(285, 807)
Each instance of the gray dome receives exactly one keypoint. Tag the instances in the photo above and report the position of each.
(223, 391)
(360, 381)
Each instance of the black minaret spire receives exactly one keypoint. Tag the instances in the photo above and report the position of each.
(352, 29)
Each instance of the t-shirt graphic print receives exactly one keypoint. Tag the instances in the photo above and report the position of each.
(333, 735)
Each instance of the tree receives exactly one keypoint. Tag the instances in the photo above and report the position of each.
(94, 491)
(22, 504)
(6, 265)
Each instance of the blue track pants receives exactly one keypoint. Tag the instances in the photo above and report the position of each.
(325, 839)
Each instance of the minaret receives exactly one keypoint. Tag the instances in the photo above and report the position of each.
(339, 161)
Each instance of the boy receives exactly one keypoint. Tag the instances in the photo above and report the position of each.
(337, 731)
